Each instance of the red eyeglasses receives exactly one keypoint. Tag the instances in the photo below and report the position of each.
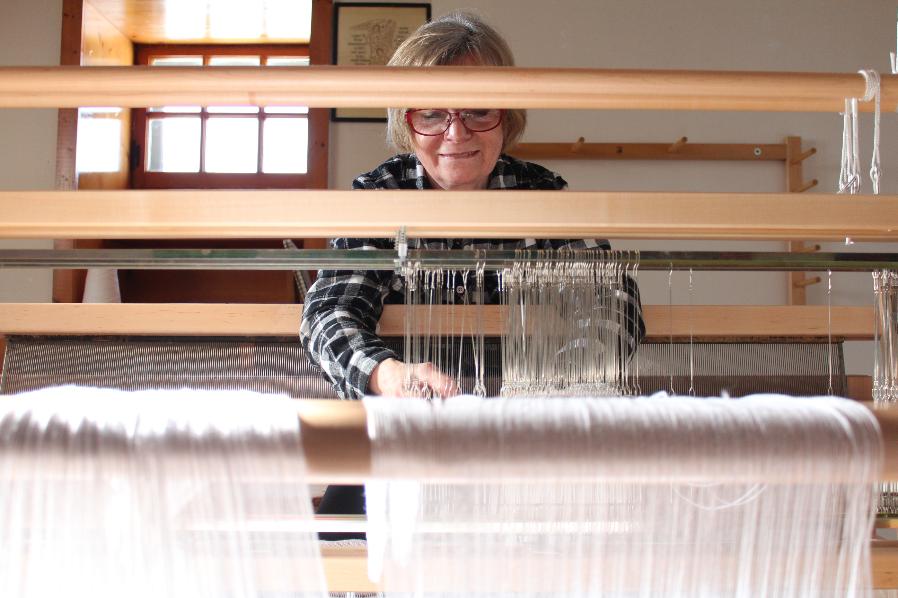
(436, 121)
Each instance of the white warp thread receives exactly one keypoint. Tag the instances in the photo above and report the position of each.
(849, 172)
(763, 496)
(872, 91)
(153, 494)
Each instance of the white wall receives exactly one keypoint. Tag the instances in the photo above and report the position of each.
(799, 35)
(29, 36)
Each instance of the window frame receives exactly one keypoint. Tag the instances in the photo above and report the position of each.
(315, 176)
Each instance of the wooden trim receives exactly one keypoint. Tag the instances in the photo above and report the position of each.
(797, 282)
(476, 87)
(68, 285)
(705, 322)
(319, 118)
(143, 52)
(221, 180)
(752, 152)
(67, 130)
(511, 214)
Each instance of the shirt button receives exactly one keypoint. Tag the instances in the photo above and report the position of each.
(460, 290)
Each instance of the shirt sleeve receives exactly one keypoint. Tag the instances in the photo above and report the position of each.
(339, 320)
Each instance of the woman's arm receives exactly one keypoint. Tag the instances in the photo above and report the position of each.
(339, 318)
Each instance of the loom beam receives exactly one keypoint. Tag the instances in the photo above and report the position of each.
(337, 449)
(281, 214)
(382, 87)
(709, 322)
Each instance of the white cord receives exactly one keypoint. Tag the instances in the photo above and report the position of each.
(893, 56)
(855, 151)
(849, 174)
(873, 92)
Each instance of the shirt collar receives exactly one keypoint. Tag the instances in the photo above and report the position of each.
(422, 182)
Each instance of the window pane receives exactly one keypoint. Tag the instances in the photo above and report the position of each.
(176, 109)
(173, 145)
(287, 61)
(99, 140)
(233, 109)
(287, 110)
(286, 143)
(232, 145)
(235, 61)
(177, 61)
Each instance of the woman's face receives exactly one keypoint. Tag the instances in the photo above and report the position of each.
(459, 159)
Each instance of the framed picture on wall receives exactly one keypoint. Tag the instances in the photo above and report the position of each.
(367, 34)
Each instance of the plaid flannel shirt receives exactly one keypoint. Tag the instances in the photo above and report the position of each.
(342, 308)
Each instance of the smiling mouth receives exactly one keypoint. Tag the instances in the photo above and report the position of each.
(460, 155)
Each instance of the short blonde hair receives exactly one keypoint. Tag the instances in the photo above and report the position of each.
(449, 40)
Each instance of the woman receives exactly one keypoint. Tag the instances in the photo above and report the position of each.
(445, 148)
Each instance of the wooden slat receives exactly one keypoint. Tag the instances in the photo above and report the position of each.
(68, 285)
(710, 322)
(860, 388)
(381, 87)
(884, 557)
(346, 569)
(797, 281)
(754, 152)
(512, 214)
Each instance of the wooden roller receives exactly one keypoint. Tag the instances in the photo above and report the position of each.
(382, 87)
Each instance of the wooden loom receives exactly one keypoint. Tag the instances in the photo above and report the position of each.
(274, 214)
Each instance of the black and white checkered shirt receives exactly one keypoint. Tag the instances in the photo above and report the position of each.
(343, 307)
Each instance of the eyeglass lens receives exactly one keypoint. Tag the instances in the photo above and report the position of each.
(435, 122)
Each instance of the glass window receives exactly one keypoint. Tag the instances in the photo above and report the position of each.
(173, 144)
(227, 139)
(235, 61)
(232, 145)
(285, 147)
(99, 140)
(177, 61)
(287, 61)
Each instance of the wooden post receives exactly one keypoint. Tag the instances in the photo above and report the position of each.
(797, 281)
(320, 53)
(68, 285)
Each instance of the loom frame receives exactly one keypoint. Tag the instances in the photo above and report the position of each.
(869, 218)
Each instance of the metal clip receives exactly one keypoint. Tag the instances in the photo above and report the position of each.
(401, 249)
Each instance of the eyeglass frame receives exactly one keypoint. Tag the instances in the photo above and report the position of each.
(452, 117)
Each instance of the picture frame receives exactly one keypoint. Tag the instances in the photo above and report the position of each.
(367, 34)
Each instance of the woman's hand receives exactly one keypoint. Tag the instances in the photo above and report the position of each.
(389, 376)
